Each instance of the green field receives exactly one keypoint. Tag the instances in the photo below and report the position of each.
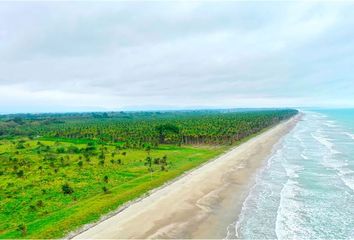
(32, 194)
(59, 172)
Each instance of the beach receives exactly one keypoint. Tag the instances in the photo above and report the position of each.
(202, 203)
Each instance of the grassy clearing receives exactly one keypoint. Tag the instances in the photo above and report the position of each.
(98, 179)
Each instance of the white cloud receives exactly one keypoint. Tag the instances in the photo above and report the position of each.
(111, 55)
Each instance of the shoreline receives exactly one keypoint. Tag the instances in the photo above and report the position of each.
(185, 208)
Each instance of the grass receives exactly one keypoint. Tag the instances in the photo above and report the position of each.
(33, 173)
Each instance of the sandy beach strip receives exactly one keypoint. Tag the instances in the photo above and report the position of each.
(202, 203)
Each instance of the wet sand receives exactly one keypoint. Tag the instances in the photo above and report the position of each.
(202, 203)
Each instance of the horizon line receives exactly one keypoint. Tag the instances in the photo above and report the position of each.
(170, 110)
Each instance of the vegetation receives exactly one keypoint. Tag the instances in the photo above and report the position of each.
(136, 129)
(59, 171)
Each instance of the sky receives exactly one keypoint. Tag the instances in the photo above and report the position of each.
(110, 55)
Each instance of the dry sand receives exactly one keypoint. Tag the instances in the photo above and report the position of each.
(199, 205)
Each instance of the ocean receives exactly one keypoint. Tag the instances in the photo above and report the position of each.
(306, 188)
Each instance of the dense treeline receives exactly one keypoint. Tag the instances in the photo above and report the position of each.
(136, 129)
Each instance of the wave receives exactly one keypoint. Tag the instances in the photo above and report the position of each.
(260, 193)
(351, 135)
(326, 142)
(293, 191)
(349, 182)
(346, 175)
(287, 219)
(330, 124)
(304, 156)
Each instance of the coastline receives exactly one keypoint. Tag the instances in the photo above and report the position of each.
(199, 204)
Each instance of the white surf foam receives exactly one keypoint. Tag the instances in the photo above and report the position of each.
(330, 124)
(347, 176)
(304, 156)
(326, 142)
(351, 135)
(287, 220)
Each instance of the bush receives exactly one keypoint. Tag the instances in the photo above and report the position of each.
(67, 189)
(60, 150)
(20, 146)
(105, 189)
(40, 203)
(105, 179)
(157, 161)
(73, 149)
(20, 173)
(23, 229)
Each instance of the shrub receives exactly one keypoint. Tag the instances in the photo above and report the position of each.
(40, 203)
(102, 156)
(67, 189)
(105, 179)
(60, 150)
(23, 229)
(105, 189)
(80, 163)
(73, 149)
(20, 173)
(20, 146)
(157, 161)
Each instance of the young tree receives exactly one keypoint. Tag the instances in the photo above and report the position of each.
(80, 164)
(40, 203)
(20, 173)
(105, 189)
(23, 229)
(67, 190)
(105, 179)
(148, 162)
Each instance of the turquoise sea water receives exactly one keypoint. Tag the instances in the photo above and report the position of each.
(306, 189)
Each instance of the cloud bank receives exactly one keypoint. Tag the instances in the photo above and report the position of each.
(78, 56)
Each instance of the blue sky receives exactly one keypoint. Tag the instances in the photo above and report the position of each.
(85, 56)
